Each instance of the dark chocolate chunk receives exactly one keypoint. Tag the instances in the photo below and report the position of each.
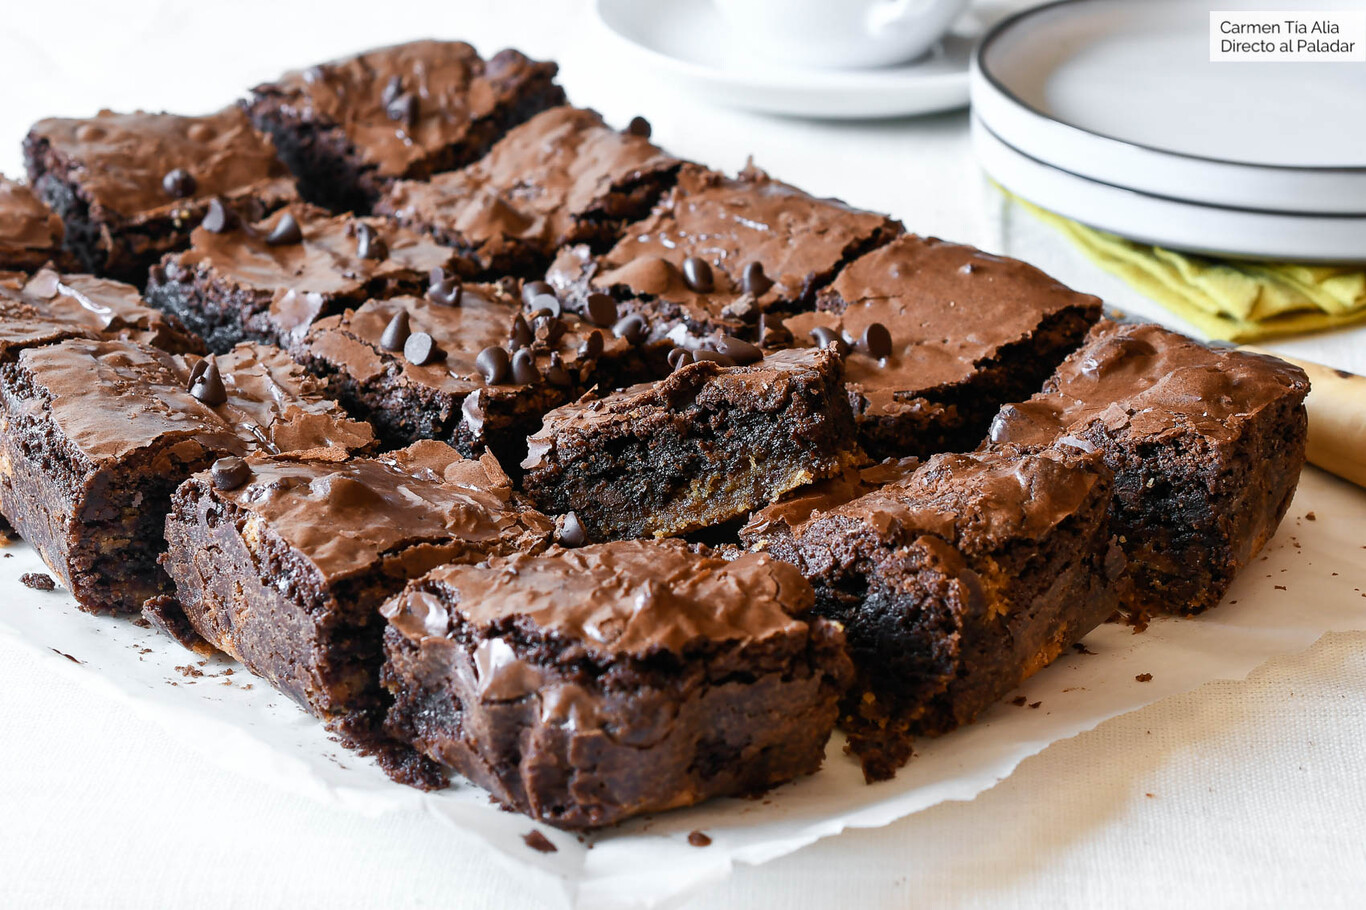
(179, 183)
(639, 126)
(877, 340)
(556, 374)
(633, 328)
(826, 338)
(285, 232)
(547, 303)
(702, 354)
(592, 346)
(742, 352)
(533, 289)
(217, 218)
(524, 370)
(697, 273)
(396, 333)
(420, 349)
(549, 328)
(521, 332)
(679, 357)
(601, 309)
(444, 289)
(571, 533)
(493, 363)
(229, 473)
(208, 385)
(369, 244)
(754, 281)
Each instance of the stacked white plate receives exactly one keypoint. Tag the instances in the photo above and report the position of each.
(1110, 112)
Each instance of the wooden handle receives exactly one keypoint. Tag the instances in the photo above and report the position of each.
(1337, 418)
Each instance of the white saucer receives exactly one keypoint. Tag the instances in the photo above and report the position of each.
(1212, 230)
(1123, 92)
(688, 41)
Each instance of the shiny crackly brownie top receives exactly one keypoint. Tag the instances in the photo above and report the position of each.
(28, 228)
(797, 508)
(977, 502)
(713, 239)
(398, 105)
(624, 599)
(923, 315)
(409, 510)
(1150, 382)
(112, 399)
(109, 309)
(146, 164)
(535, 184)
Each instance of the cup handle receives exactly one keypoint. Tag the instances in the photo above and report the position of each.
(891, 13)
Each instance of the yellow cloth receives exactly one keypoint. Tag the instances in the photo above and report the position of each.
(1228, 300)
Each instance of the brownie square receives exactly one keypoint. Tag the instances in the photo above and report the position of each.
(722, 229)
(591, 685)
(562, 177)
(471, 387)
(956, 584)
(939, 336)
(130, 187)
(270, 281)
(351, 127)
(108, 309)
(31, 234)
(707, 444)
(1206, 446)
(285, 566)
(98, 433)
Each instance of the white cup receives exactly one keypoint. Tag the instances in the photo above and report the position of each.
(841, 33)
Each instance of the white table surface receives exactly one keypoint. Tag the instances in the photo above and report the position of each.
(1248, 793)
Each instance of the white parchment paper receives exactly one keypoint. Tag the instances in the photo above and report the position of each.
(1308, 581)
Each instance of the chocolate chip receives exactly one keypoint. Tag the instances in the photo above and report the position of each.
(826, 338)
(195, 372)
(742, 352)
(549, 328)
(679, 357)
(521, 332)
(877, 340)
(633, 328)
(698, 839)
(592, 346)
(601, 309)
(771, 323)
(420, 349)
(392, 89)
(208, 385)
(639, 126)
(217, 218)
(229, 473)
(556, 374)
(369, 244)
(572, 533)
(545, 303)
(533, 289)
(403, 109)
(754, 281)
(702, 354)
(179, 183)
(524, 370)
(444, 289)
(493, 363)
(396, 333)
(697, 274)
(286, 231)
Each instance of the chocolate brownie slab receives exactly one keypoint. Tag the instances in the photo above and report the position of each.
(707, 444)
(130, 187)
(109, 309)
(350, 127)
(1206, 445)
(591, 685)
(98, 433)
(269, 281)
(939, 336)
(562, 177)
(464, 364)
(283, 562)
(956, 584)
(31, 234)
(717, 252)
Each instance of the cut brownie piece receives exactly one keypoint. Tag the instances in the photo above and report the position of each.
(130, 187)
(562, 177)
(717, 252)
(468, 381)
(956, 584)
(1206, 445)
(351, 127)
(108, 309)
(285, 564)
(707, 444)
(31, 234)
(97, 434)
(587, 686)
(940, 336)
(269, 281)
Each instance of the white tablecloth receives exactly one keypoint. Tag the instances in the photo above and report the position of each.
(1239, 794)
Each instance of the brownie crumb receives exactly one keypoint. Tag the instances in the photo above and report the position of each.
(1081, 648)
(68, 656)
(1310, 516)
(1035, 704)
(189, 671)
(1279, 587)
(541, 844)
(1019, 701)
(698, 839)
(38, 581)
(1144, 677)
(1150, 795)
